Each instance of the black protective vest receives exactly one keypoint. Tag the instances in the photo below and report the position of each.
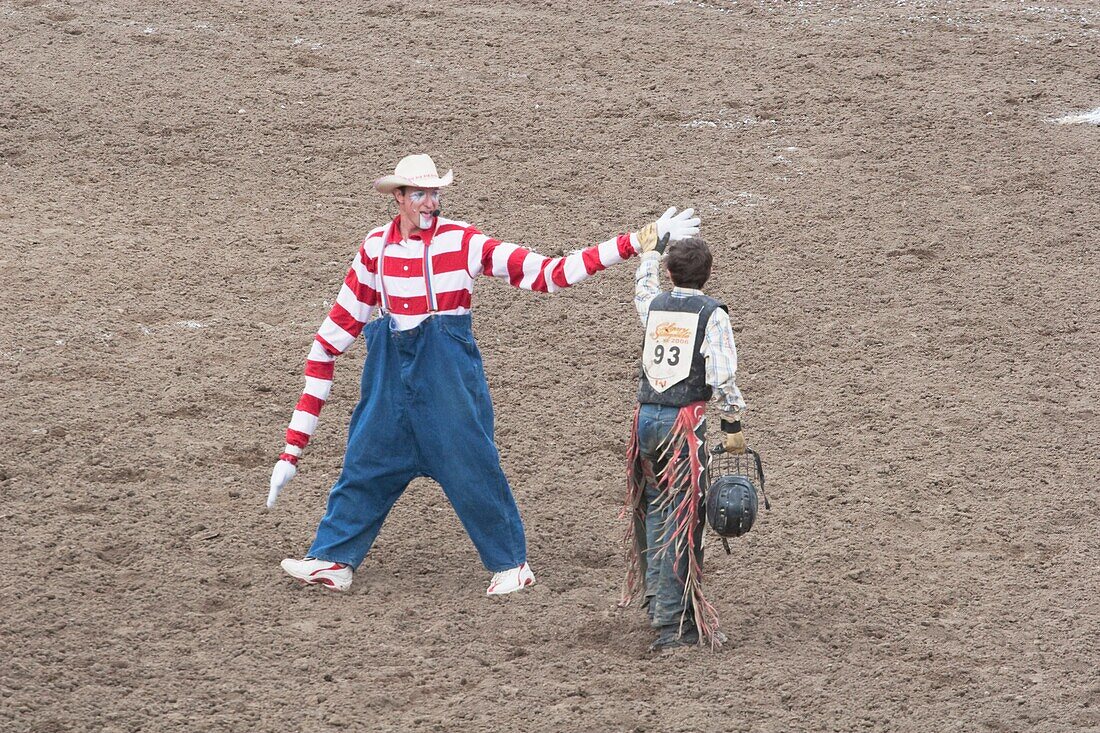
(695, 387)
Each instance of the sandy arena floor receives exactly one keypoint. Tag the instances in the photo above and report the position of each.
(908, 245)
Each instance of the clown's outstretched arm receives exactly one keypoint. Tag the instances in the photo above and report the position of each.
(353, 307)
(531, 271)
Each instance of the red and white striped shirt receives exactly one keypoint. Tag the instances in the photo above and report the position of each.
(431, 272)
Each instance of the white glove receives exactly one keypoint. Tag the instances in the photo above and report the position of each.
(280, 477)
(677, 226)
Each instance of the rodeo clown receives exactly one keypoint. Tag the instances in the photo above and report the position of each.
(688, 357)
(424, 408)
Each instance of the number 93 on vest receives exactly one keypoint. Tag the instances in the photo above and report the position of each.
(668, 349)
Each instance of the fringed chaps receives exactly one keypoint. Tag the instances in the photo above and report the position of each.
(680, 483)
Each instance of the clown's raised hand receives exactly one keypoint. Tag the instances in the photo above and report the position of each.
(671, 226)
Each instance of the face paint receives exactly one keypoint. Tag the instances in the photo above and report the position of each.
(419, 206)
(421, 196)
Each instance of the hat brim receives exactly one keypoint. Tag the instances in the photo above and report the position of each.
(386, 184)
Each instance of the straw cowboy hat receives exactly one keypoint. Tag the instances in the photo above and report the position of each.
(417, 171)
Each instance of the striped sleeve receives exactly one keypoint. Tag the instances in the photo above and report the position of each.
(353, 307)
(529, 270)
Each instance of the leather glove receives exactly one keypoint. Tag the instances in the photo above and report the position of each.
(735, 437)
(280, 477)
(670, 227)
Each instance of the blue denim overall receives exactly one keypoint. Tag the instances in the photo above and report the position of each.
(424, 411)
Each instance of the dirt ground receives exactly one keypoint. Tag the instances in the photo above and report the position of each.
(908, 247)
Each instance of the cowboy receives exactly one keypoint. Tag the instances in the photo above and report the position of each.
(688, 357)
(424, 408)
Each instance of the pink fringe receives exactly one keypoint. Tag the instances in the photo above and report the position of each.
(682, 440)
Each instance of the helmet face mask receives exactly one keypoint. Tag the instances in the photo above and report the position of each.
(731, 505)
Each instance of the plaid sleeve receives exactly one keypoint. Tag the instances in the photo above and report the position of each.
(647, 284)
(720, 353)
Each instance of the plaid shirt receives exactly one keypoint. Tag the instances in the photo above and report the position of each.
(718, 349)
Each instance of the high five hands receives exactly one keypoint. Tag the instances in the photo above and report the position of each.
(672, 226)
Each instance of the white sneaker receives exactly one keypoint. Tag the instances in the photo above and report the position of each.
(509, 581)
(332, 575)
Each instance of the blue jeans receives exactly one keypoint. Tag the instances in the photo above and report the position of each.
(665, 573)
(424, 411)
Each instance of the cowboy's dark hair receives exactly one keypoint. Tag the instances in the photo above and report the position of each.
(689, 262)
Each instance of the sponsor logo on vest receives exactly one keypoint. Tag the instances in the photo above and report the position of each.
(670, 332)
